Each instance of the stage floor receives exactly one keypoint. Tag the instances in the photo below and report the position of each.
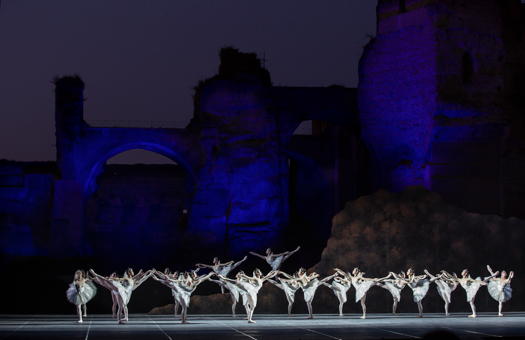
(216, 327)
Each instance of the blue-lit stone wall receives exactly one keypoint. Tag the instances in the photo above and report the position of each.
(438, 101)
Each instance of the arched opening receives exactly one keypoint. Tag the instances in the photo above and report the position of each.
(137, 213)
(467, 68)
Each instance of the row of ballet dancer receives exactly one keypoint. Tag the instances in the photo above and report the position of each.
(245, 288)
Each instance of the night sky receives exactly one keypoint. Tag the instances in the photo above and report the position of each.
(140, 59)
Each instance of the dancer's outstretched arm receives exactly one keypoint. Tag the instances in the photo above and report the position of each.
(286, 275)
(448, 275)
(290, 253)
(511, 275)
(238, 263)
(160, 275)
(341, 272)
(142, 278)
(270, 275)
(258, 255)
(400, 278)
(328, 278)
(381, 279)
(163, 281)
(202, 265)
(286, 254)
(432, 277)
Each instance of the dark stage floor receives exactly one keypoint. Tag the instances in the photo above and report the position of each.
(216, 327)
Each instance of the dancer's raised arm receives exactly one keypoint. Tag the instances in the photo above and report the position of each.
(286, 275)
(235, 265)
(381, 279)
(143, 277)
(432, 277)
(202, 265)
(290, 253)
(271, 274)
(328, 278)
(341, 272)
(258, 255)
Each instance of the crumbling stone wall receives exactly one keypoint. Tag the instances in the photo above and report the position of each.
(439, 101)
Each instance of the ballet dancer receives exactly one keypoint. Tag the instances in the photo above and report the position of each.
(164, 279)
(471, 287)
(361, 284)
(80, 291)
(124, 288)
(221, 268)
(184, 287)
(445, 285)
(275, 260)
(394, 286)
(419, 285)
(109, 286)
(251, 285)
(499, 287)
(289, 287)
(340, 286)
(309, 284)
(236, 293)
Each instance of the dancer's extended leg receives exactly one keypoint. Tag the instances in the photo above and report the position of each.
(363, 306)
(420, 309)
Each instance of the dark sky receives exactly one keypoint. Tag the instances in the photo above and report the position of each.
(140, 59)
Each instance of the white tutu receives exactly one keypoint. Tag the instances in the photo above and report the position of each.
(361, 288)
(78, 295)
(499, 292)
(445, 290)
(471, 288)
(419, 289)
(394, 289)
